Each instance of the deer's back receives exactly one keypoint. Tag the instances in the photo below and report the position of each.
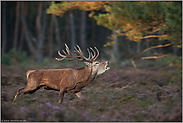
(53, 78)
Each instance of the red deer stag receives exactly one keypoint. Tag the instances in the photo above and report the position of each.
(66, 80)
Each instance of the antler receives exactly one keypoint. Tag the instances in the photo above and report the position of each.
(81, 57)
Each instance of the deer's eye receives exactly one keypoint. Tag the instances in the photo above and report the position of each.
(96, 63)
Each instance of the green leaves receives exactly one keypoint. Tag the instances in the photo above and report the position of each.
(137, 19)
(134, 19)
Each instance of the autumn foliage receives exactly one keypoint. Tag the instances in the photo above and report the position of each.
(60, 8)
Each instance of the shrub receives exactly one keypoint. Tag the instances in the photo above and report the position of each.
(13, 56)
(20, 57)
(6, 59)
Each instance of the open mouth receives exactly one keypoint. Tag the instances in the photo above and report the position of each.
(107, 67)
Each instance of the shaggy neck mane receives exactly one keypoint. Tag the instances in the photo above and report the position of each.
(86, 76)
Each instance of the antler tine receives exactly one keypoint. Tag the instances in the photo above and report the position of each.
(64, 52)
(71, 55)
(68, 50)
(93, 56)
(66, 46)
(97, 53)
(67, 55)
(81, 57)
(79, 49)
(59, 59)
(76, 50)
(88, 53)
(81, 53)
(60, 55)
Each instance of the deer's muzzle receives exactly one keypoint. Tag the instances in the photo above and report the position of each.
(106, 66)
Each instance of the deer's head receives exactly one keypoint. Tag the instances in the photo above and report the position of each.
(96, 65)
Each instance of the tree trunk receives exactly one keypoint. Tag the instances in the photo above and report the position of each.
(67, 32)
(4, 36)
(147, 46)
(93, 32)
(42, 31)
(21, 39)
(4, 33)
(28, 36)
(160, 48)
(16, 25)
(83, 34)
(73, 39)
(38, 19)
(175, 50)
(115, 46)
(22, 27)
(51, 37)
(160, 43)
(138, 47)
(36, 48)
(58, 39)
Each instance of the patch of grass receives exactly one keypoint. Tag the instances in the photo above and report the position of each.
(145, 102)
(60, 116)
(45, 62)
(172, 80)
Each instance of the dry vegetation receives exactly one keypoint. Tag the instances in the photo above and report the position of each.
(121, 94)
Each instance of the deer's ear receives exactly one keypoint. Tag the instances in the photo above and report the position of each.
(88, 63)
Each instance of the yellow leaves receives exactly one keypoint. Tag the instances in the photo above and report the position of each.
(179, 46)
(119, 8)
(128, 26)
(118, 31)
(91, 14)
(90, 5)
(57, 9)
(109, 44)
(61, 8)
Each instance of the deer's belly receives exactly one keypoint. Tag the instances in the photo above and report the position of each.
(49, 88)
(76, 89)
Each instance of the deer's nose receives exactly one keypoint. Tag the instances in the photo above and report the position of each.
(108, 62)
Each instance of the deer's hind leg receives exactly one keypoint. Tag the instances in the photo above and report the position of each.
(29, 89)
(19, 91)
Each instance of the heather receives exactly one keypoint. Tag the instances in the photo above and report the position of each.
(124, 93)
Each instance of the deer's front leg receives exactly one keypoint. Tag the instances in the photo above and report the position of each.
(80, 95)
(61, 95)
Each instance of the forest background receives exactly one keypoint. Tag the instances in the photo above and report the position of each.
(121, 30)
(142, 40)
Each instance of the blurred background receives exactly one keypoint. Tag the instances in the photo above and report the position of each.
(120, 30)
(142, 40)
